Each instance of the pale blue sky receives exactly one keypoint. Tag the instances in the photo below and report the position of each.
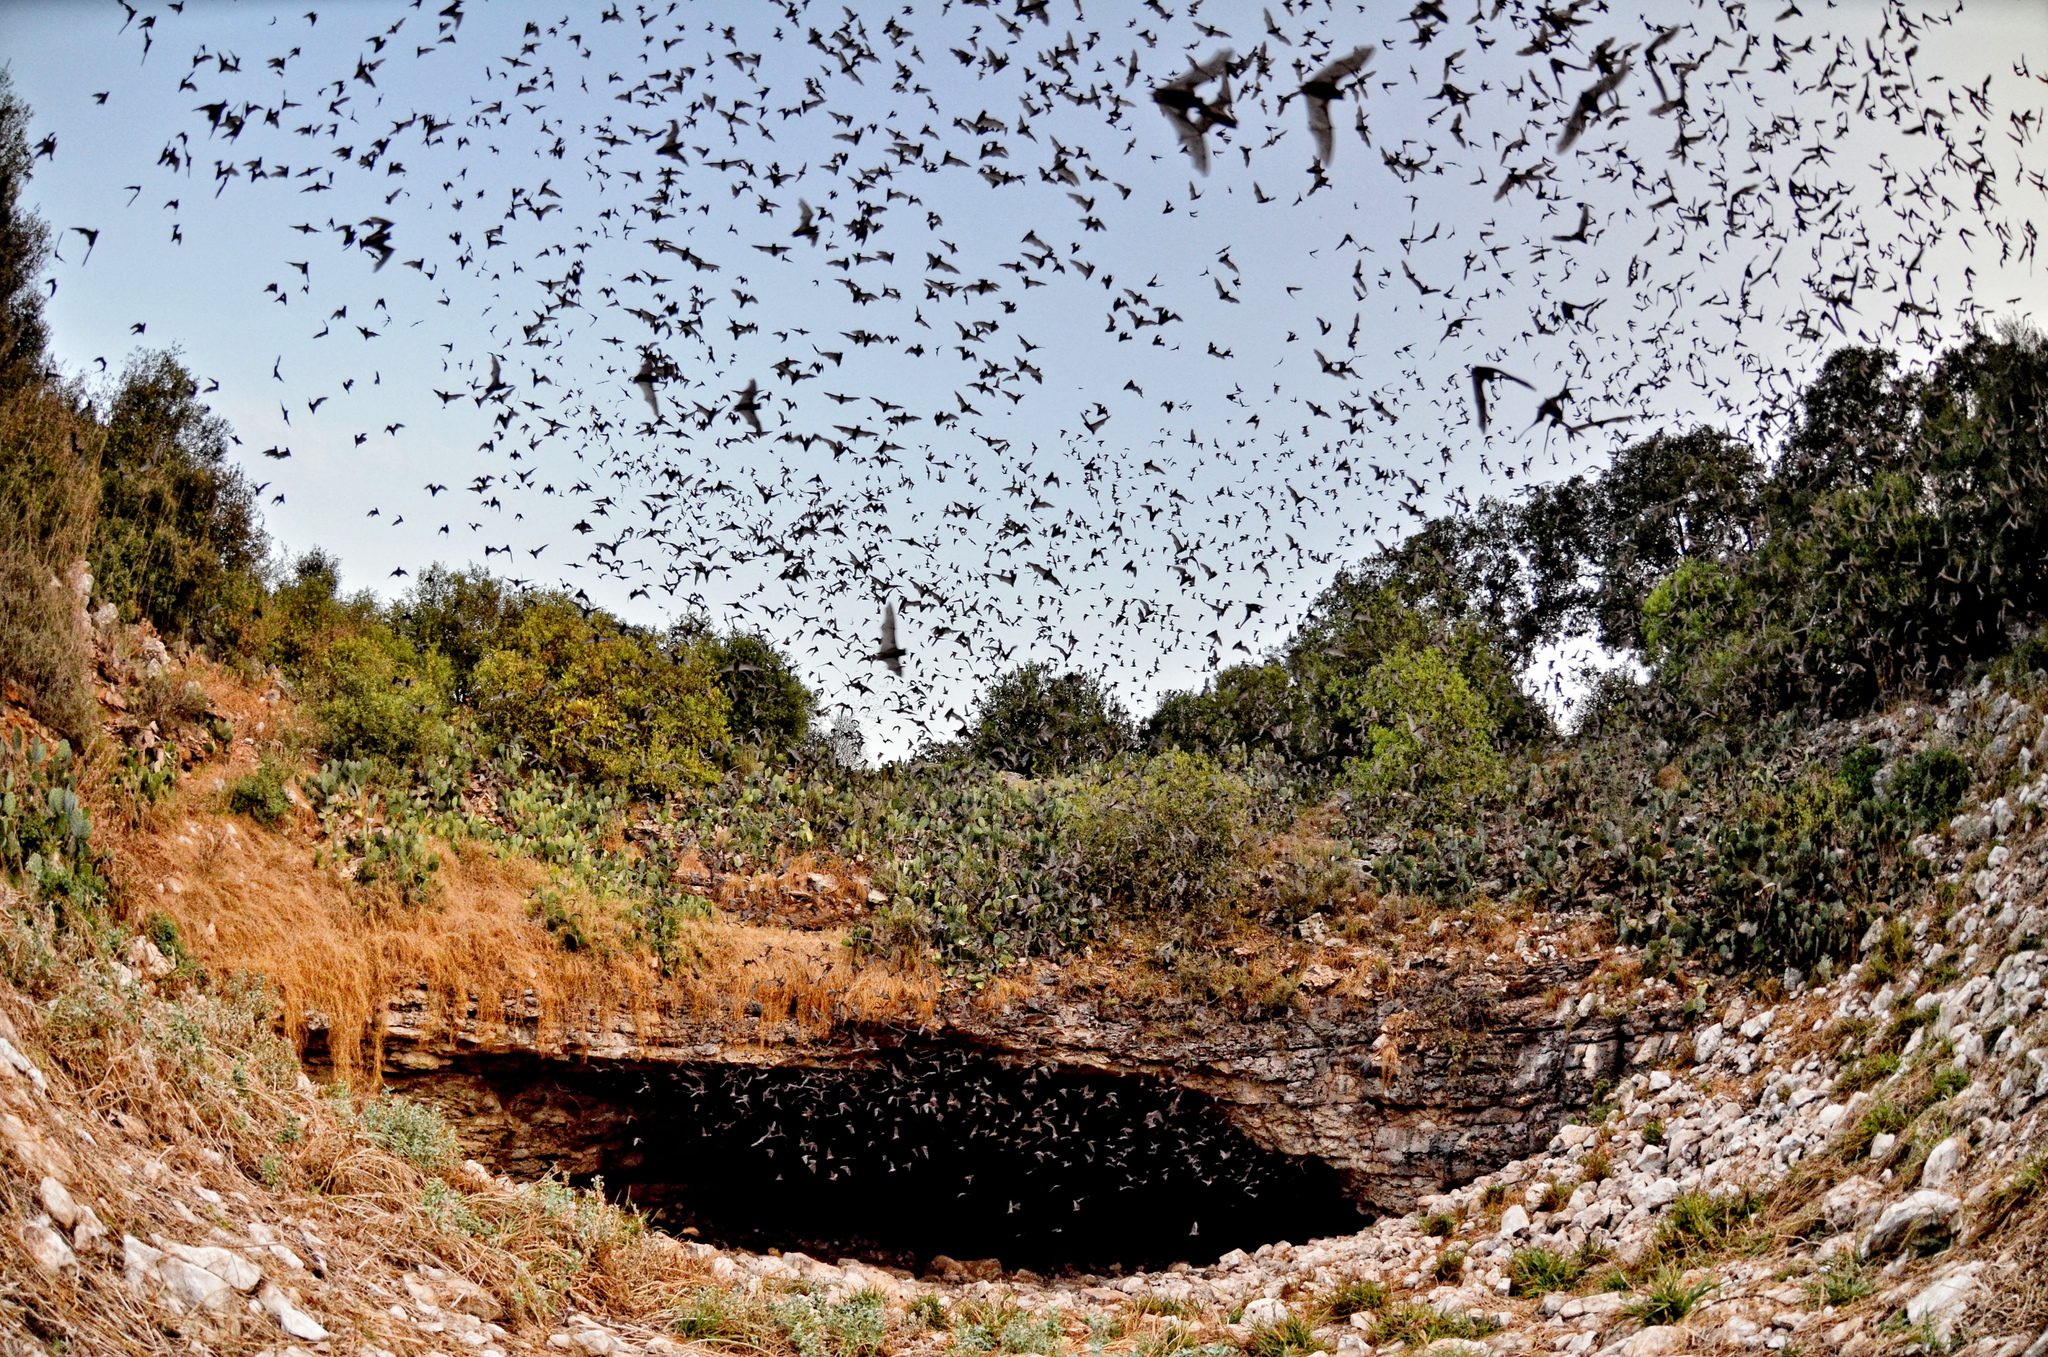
(1259, 280)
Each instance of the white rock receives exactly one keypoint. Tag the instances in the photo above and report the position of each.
(289, 1317)
(198, 1288)
(1942, 1162)
(1903, 1221)
(48, 1248)
(1656, 1341)
(1706, 1041)
(1265, 1313)
(1943, 1301)
(1514, 1221)
(1850, 1203)
(1881, 1145)
(56, 1199)
(231, 1268)
(1652, 1195)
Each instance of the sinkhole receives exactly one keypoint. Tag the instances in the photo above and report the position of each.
(940, 1152)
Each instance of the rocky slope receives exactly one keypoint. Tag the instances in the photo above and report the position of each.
(1854, 1166)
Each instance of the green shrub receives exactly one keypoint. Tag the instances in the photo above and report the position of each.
(1035, 723)
(767, 705)
(1291, 1337)
(1929, 786)
(1429, 738)
(413, 1131)
(594, 698)
(178, 540)
(1868, 1070)
(1450, 1266)
(1653, 1131)
(379, 698)
(1668, 1298)
(1536, 1272)
(1841, 1281)
(1417, 1324)
(260, 795)
(853, 1327)
(1357, 1296)
(1698, 1223)
(1950, 1080)
(48, 446)
(1439, 1224)
(1163, 835)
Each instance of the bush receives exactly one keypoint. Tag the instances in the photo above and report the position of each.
(1536, 1272)
(1161, 836)
(593, 697)
(1357, 1296)
(260, 795)
(1929, 786)
(768, 706)
(1668, 1297)
(178, 539)
(48, 444)
(1429, 737)
(378, 698)
(1033, 723)
(413, 1131)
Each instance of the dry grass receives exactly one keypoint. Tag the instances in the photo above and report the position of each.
(246, 899)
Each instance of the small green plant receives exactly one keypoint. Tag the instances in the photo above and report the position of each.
(1291, 1337)
(413, 1131)
(1698, 1223)
(1950, 1080)
(1930, 785)
(1415, 1324)
(1653, 1131)
(1597, 1167)
(1536, 1272)
(1356, 1297)
(1882, 1118)
(1439, 1224)
(1868, 1070)
(854, 1327)
(1000, 1326)
(1841, 1281)
(2013, 1195)
(1161, 1305)
(926, 1312)
(1450, 1266)
(1555, 1194)
(1668, 1298)
(260, 795)
(1493, 1195)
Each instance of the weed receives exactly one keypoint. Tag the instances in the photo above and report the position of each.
(261, 796)
(1536, 1272)
(1414, 1324)
(1841, 1281)
(1668, 1298)
(1439, 1224)
(1357, 1296)
(1653, 1131)
(1450, 1266)
(1000, 1326)
(1493, 1195)
(2013, 1195)
(1291, 1337)
(1698, 1223)
(1161, 1305)
(1597, 1167)
(413, 1131)
(1949, 1081)
(926, 1312)
(854, 1327)
(1868, 1070)
(1882, 1118)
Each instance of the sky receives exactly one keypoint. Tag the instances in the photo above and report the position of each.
(1035, 382)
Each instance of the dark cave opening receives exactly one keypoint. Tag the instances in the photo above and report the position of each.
(951, 1153)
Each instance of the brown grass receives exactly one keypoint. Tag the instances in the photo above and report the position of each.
(247, 899)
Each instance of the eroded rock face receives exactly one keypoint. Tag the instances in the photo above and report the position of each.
(1444, 1078)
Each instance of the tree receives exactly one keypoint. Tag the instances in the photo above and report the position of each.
(1033, 723)
(178, 539)
(1856, 419)
(24, 248)
(770, 707)
(593, 697)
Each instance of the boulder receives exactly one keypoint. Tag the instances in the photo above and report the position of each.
(1942, 1162)
(1514, 1221)
(1923, 1215)
(1851, 1203)
(48, 1248)
(288, 1316)
(1265, 1313)
(1656, 1341)
(1942, 1302)
(195, 1286)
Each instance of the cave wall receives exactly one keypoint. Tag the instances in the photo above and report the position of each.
(1442, 1078)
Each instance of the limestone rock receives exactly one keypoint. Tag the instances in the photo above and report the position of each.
(1851, 1204)
(1942, 1302)
(1514, 1221)
(195, 1286)
(230, 1267)
(290, 1317)
(57, 1202)
(48, 1248)
(1923, 1214)
(1656, 1341)
(1942, 1162)
(1265, 1313)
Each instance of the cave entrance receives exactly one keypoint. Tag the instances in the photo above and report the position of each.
(919, 1154)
